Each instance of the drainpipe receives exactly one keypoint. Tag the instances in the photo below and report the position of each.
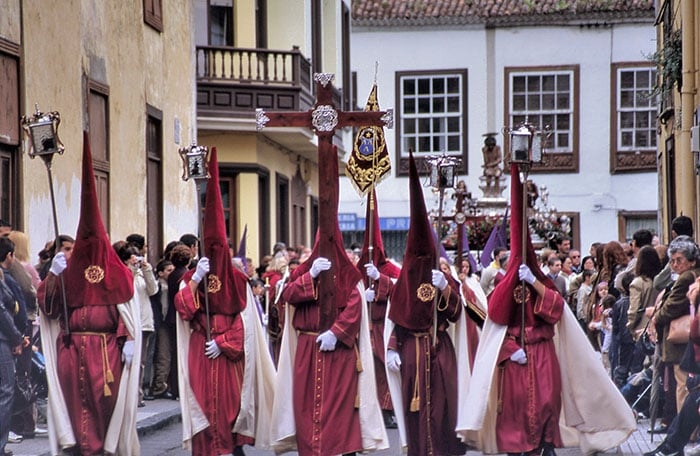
(685, 167)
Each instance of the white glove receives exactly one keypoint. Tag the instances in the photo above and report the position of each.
(439, 279)
(320, 264)
(211, 349)
(128, 352)
(524, 273)
(327, 340)
(264, 320)
(58, 264)
(519, 356)
(369, 295)
(393, 361)
(372, 271)
(202, 270)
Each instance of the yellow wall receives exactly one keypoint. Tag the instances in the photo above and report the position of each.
(244, 29)
(109, 42)
(288, 25)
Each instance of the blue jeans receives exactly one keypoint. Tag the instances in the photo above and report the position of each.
(7, 390)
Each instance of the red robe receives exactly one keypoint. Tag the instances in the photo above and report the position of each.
(530, 393)
(90, 367)
(325, 383)
(216, 383)
(430, 401)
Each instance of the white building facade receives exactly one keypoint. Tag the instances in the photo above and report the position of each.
(450, 80)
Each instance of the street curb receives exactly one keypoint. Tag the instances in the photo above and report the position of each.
(158, 421)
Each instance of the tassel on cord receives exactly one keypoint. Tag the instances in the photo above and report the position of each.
(358, 367)
(415, 400)
(358, 361)
(107, 375)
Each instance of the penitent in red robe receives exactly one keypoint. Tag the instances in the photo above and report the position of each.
(430, 400)
(530, 393)
(90, 367)
(325, 383)
(216, 383)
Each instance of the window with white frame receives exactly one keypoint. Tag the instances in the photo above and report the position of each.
(635, 112)
(432, 113)
(633, 129)
(545, 99)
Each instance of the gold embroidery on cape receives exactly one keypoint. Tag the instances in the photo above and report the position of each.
(94, 274)
(518, 294)
(426, 292)
(214, 284)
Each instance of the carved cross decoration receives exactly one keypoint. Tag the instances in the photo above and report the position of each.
(324, 119)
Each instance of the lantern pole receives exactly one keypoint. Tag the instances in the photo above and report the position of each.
(442, 176)
(195, 162)
(42, 131)
(526, 148)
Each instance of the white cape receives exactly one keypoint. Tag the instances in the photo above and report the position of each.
(121, 438)
(595, 416)
(283, 428)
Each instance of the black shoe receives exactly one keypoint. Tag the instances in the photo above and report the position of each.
(548, 450)
(164, 395)
(148, 397)
(7, 453)
(664, 450)
(658, 429)
(141, 404)
(389, 420)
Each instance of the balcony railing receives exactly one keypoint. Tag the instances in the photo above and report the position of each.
(259, 66)
(233, 82)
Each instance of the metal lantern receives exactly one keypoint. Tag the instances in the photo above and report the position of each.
(42, 131)
(527, 143)
(520, 145)
(195, 162)
(442, 171)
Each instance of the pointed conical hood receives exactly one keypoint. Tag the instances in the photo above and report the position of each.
(95, 276)
(413, 294)
(501, 304)
(227, 285)
(372, 229)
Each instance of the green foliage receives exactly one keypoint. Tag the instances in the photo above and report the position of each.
(669, 62)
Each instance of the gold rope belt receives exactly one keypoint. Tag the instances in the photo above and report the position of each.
(107, 375)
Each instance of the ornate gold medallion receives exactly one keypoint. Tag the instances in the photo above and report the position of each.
(426, 292)
(518, 293)
(94, 274)
(214, 284)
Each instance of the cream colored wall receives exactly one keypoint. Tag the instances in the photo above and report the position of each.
(288, 25)
(9, 20)
(109, 43)
(244, 29)
(332, 39)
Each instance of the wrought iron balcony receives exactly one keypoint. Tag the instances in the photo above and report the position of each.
(232, 82)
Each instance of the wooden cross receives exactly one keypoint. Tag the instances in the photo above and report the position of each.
(324, 119)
